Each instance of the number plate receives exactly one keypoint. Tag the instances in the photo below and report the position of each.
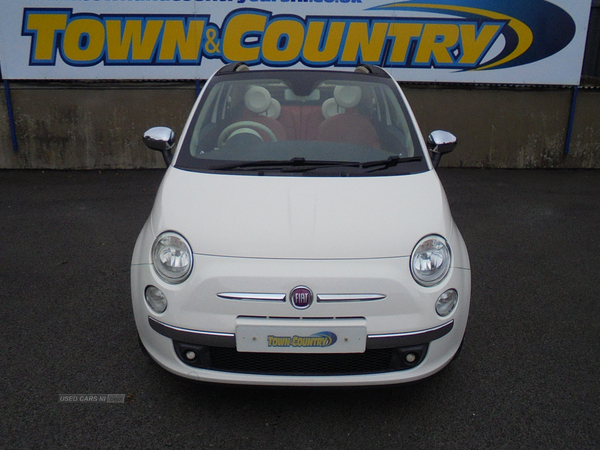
(301, 336)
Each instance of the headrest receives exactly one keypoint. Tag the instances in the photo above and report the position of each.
(330, 108)
(274, 109)
(257, 99)
(347, 96)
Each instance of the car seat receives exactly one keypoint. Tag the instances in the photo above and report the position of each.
(260, 107)
(347, 125)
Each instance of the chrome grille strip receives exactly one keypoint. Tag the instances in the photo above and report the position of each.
(252, 296)
(349, 297)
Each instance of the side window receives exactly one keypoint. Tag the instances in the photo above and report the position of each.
(210, 114)
(396, 121)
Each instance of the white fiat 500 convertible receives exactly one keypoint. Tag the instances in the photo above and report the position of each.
(301, 236)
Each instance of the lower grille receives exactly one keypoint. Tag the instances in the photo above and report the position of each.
(370, 362)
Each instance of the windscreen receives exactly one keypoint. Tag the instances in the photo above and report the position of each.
(355, 120)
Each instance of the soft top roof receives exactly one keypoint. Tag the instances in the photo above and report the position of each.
(243, 67)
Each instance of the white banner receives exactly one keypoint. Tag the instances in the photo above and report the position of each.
(482, 41)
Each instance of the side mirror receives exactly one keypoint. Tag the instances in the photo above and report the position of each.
(162, 140)
(439, 143)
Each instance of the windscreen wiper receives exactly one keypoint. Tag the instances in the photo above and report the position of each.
(292, 165)
(390, 162)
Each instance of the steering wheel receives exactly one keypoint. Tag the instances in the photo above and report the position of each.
(244, 124)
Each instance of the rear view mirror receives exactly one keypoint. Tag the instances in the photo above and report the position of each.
(162, 140)
(439, 143)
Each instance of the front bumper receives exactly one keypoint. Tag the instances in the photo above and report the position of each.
(202, 319)
(383, 353)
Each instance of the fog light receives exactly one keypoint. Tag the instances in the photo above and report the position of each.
(410, 358)
(446, 302)
(405, 358)
(193, 355)
(156, 299)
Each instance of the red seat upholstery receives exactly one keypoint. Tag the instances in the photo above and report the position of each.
(290, 118)
(312, 119)
(301, 122)
(349, 128)
(276, 127)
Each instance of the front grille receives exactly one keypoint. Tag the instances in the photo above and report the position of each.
(230, 360)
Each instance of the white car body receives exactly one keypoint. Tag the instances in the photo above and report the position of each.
(254, 239)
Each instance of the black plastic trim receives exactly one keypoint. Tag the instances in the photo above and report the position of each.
(379, 341)
(408, 339)
(193, 336)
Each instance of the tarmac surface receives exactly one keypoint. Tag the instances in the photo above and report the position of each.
(528, 376)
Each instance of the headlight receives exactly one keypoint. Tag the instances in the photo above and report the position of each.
(430, 260)
(172, 257)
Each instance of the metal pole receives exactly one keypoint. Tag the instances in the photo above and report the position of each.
(571, 120)
(11, 117)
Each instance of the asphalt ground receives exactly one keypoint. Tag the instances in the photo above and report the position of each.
(528, 376)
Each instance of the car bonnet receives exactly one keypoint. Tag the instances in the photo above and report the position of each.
(301, 217)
